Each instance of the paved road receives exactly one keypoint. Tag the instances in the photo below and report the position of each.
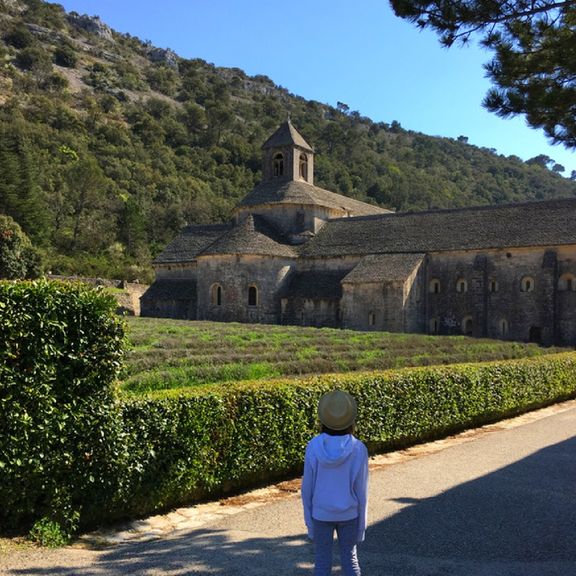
(498, 502)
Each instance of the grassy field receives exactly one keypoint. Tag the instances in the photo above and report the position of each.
(177, 353)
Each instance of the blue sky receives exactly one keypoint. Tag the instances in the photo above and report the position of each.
(358, 53)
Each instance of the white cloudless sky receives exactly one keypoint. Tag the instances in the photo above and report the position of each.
(356, 52)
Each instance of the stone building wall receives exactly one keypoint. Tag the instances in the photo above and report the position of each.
(509, 294)
(291, 219)
(235, 275)
(187, 271)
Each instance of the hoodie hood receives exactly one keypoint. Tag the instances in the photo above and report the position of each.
(333, 450)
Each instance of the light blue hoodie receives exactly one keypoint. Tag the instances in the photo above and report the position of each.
(335, 482)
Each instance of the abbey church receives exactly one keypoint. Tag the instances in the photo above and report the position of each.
(298, 254)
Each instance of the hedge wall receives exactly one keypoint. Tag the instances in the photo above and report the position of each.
(61, 449)
(73, 453)
(188, 445)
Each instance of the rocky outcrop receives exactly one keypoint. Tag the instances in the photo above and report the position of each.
(91, 24)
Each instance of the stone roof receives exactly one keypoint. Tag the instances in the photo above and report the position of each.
(191, 241)
(545, 223)
(167, 289)
(383, 268)
(286, 135)
(315, 285)
(300, 192)
(251, 236)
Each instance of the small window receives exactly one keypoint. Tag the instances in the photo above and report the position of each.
(493, 285)
(527, 284)
(434, 326)
(371, 319)
(461, 286)
(278, 165)
(216, 295)
(467, 325)
(503, 327)
(567, 283)
(303, 167)
(434, 287)
(252, 296)
(300, 221)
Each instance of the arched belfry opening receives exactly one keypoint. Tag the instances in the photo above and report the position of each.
(303, 167)
(278, 165)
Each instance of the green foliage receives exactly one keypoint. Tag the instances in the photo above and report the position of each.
(170, 143)
(60, 437)
(72, 456)
(48, 533)
(190, 444)
(18, 258)
(534, 62)
(65, 55)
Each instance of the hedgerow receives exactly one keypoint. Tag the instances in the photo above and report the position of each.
(61, 450)
(74, 454)
(193, 443)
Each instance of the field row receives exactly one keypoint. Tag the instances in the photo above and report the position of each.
(168, 353)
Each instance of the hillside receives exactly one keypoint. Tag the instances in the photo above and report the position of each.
(110, 145)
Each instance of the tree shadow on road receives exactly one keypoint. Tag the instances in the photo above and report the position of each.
(201, 552)
(517, 521)
(521, 517)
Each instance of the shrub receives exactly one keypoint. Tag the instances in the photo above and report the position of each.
(18, 258)
(61, 448)
(189, 444)
(65, 55)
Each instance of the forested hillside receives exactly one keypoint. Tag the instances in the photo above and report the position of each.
(108, 145)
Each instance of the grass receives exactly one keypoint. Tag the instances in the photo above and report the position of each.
(167, 353)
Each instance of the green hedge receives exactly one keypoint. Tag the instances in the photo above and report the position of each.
(72, 454)
(189, 445)
(61, 449)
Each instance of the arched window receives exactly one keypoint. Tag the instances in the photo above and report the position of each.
(493, 285)
(434, 286)
(252, 296)
(467, 325)
(434, 326)
(216, 295)
(567, 283)
(527, 284)
(503, 327)
(278, 164)
(303, 171)
(461, 285)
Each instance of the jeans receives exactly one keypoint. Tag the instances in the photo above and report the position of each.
(323, 540)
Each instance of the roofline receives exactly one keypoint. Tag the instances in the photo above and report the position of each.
(483, 207)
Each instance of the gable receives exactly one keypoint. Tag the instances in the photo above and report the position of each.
(380, 268)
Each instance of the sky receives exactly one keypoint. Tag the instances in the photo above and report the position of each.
(355, 52)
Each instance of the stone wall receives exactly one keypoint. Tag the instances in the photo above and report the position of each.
(236, 275)
(128, 299)
(509, 294)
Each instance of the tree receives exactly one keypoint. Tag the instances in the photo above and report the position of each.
(18, 258)
(534, 66)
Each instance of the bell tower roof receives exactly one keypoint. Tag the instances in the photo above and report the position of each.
(286, 135)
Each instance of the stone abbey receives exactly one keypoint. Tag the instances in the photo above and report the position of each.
(298, 254)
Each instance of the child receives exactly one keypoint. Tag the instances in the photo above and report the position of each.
(335, 485)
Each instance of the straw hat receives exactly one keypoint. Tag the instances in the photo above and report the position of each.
(337, 410)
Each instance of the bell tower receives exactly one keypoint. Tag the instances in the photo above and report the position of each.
(287, 157)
